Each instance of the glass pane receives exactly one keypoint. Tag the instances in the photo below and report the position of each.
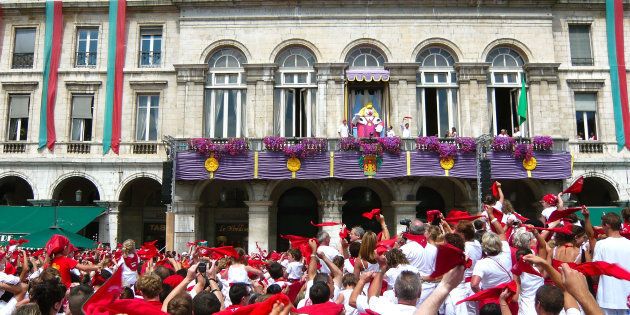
(590, 124)
(580, 42)
(371, 61)
(141, 124)
(579, 121)
(157, 43)
(454, 110)
(143, 100)
(301, 61)
(24, 40)
(443, 107)
(429, 78)
(207, 119)
(585, 101)
(218, 114)
(153, 121)
(511, 78)
(83, 34)
(302, 78)
(82, 46)
(440, 61)
(13, 125)
(498, 77)
(145, 45)
(453, 77)
(441, 77)
(87, 129)
(76, 129)
(232, 113)
(288, 78)
(23, 128)
(155, 101)
(359, 61)
(233, 78)
(232, 62)
(288, 113)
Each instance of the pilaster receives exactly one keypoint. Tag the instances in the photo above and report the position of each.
(474, 105)
(402, 86)
(542, 79)
(108, 223)
(331, 210)
(258, 230)
(403, 209)
(190, 90)
(330, 97)
(185, 217)
(259, 108)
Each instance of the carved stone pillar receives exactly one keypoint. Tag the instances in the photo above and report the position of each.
(474, 108)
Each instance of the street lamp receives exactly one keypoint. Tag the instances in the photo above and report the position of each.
(77, 195)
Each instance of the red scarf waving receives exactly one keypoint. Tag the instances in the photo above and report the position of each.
(420, 239)
(131, 261)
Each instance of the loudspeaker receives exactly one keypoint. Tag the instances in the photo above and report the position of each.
(167, 182)
(485, 176)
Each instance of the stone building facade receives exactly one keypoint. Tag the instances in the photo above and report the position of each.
(281, 68)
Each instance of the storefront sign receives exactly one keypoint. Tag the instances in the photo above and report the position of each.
(232, 228)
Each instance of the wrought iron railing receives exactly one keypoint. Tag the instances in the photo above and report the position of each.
(22, 60)
(582, 61)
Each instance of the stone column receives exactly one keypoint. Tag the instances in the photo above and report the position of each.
(474, 106)
(185, 224)
(259, 120)
(402, 88)
(330, 98)
(258, 229)
(403, 209)
(542, 79)
(332, 211)
(190, 101)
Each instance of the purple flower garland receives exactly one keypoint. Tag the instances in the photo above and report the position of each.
(207, 147)
(304, 148)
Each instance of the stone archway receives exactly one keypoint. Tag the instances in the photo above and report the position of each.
(429, 199)
(357, 201)
(223, 214)
(15, 191)
(79, 191)
(297, 207)
(596, 192)
(141, 215)
(522, 195)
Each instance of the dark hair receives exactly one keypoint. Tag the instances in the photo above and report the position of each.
(295, 253)
(206, 303)
(354, 248)
(625, 214)
(455, 240)
(179, 305)
(349, 279)
(319, 293)
(550, 298)
(489, 200)
(163, 272)
(166, 290)
(47, 294)
(78, 296)
(237, 292)
(273, 289)
(490, 309)
(522, 252)
(466, 229)
(612, 220)
(338, 261)
(127, 294)
(275, 270)
(182, 272)
(321, 277)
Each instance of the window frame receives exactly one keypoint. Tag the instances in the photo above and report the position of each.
(14, 53)
(147, 117)
(82, 134)
(590, 43)
(19, 120)
(505, 71)
(152, 52)
(88, 53)
(584, 115)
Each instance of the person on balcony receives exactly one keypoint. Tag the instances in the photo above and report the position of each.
(390, 132)
(503, 133)
(592, 137)
(343, 130)
(580, 136)
(368, 122)
(516, 133)
(404, 128)
(453, 133)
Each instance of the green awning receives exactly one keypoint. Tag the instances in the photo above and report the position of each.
(597, 213)
(39, 239)
(16, 221)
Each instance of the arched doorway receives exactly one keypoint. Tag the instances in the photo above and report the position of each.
(15, 191)
(429, 199)
(520, 194)
(596, 192)
(142, 217)
(359, 200)
(79, 191)
(223, 214)
(297, 207)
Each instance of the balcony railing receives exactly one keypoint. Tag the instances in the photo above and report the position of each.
(86, 59)
(582, 61)
(150, 59)
(592, 147)
(145, 148)
(22, 61)
(14, 147)
(80, 148)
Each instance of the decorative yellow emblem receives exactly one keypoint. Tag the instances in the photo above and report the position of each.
(530, 164)
(211, 164)
(293, 165)
(447, 163)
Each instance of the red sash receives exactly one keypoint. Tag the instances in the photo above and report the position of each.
(131, 261)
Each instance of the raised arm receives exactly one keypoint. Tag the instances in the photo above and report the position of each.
(190, 276)
(549, 269)
(335, 272)
(312, 265)
(449, 281)
(575, 284)
(381, 220)
(358, 288)
(495, 222)
(501, 196)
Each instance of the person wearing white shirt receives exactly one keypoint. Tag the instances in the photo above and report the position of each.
(343, 130)
(332, 280)
(472, 249)
(494, 203)
(516, 133)
(612, 293)
(406, 289)
(390, 132)
(324, 247)
(551, 203)
(423, 258)
(405, 131)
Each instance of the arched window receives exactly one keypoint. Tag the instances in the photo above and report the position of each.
(294, 93)
(365, 57)
(225, 94)
(437, 92)
(506, 77)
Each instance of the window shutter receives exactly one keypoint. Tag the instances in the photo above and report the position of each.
(19, 106)
(585, 102)
(82, 106)
(580, 41)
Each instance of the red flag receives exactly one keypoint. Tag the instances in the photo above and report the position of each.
(420, 239)
(522, 266)
(344, 232)
(492, 293)
(454, 216)
(432, 214)
(130, 307)
(495, 189)
(576, 188)
(520, 217)
(260, 308)
(256, 263)
(599, 268)
(372, 214)
(295, 240)
(328, 308)
(447, 258)
(18, 242)
(383, 246)
(326, 223)
(561, 214)
(106, 294)
(565, 229)
(220, 252)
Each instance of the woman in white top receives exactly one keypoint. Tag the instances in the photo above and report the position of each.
(396, 262)
(129, 262)
(238, 270)
(367, 257)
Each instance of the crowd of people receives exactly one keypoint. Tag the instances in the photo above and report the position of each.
(489, 263)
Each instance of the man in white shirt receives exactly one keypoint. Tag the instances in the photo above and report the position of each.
(423, 258)
(323, 238)
(516, 133)
(390, 132)
(612, 293)
(406, 290)
(343, 130)
(404, 130)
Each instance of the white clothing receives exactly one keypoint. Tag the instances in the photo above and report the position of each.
(8, 279)
(390, 133)
(343, 131)
(330, 253)
(608, 311)
(295, 270)
(129, 277)
(309, 284)
(346, 302)
(527, 299)
(516, 134)
(462, 291)
(473, 251)
(406, 133)
(548, 211)
(383, 305)
(502, 135)
(392, 274)
(495, 270)
(348, 267)
(237, 274)
(612, 293)
(427, 289)
(9, 307)
(421, 258)
(497, 205)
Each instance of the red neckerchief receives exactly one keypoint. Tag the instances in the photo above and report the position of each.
(420, 239)
(131, 261)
